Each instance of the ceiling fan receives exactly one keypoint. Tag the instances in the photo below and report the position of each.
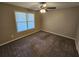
(44, 8)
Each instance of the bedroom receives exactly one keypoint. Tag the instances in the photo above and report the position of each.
(25, 31)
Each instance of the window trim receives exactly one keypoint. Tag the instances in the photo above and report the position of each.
(26, 21)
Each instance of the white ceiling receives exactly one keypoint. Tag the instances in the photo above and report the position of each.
(36, 5)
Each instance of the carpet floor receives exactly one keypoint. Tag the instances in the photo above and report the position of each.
(40, 44)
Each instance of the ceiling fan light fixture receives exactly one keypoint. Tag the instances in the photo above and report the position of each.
(43, 11)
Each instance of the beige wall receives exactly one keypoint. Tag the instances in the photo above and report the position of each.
(62, 21)
(7, 23)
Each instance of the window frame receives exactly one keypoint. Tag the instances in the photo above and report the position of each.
(26, 21)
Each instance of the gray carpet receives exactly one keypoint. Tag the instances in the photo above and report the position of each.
(41, 44)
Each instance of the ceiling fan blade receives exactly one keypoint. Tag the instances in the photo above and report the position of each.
(51, 7)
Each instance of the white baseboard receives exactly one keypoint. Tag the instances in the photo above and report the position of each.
(35, 32)
(76, 42)
(66, 37)
(77, 48)
(59, 34)
(17, 38)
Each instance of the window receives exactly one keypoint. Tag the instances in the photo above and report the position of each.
(24, 21)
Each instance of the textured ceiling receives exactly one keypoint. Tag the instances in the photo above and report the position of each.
(36, 5)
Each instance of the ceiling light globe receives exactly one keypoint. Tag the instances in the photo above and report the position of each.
(44, 5)
(43, 11)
